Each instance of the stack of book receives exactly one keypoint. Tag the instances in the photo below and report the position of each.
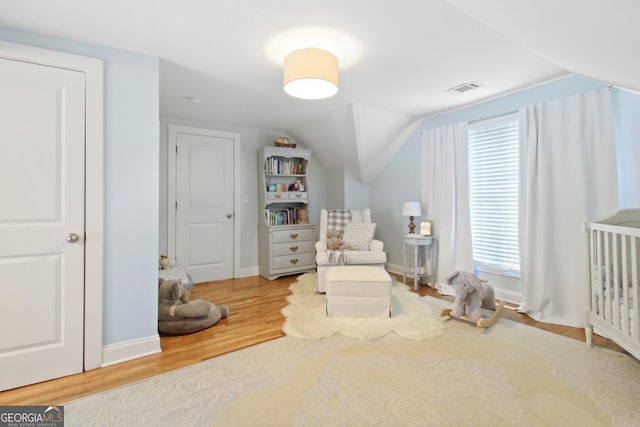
(278, 166)
(286, 216)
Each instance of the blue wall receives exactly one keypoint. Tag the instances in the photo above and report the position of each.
(626, 110)
(131, 184)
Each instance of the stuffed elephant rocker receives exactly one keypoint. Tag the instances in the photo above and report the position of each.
(177, 315)
(471, 295)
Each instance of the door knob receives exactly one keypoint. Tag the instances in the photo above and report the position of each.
(229, 215)
(73, 238)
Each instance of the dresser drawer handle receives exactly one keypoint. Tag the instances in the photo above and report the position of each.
(293, 235)
(277, 196)
(293, 261)
(298, 195)
(293, 248)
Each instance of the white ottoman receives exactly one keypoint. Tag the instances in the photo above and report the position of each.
(358, 291)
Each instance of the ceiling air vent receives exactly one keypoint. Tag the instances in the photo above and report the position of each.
(465, 87)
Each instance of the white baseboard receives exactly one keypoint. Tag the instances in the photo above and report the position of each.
(248, 272)
(399, 269)
(445, 289)
(395, 268)
(128, 350)
(508, 295)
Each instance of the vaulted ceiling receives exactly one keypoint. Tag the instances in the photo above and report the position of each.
(397, 59)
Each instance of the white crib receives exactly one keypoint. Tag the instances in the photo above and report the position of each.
(613, 303)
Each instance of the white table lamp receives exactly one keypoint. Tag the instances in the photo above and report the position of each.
(411, 209)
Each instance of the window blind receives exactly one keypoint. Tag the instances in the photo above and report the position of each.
(493, 192)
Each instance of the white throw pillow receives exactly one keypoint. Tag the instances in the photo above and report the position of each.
(358, 235)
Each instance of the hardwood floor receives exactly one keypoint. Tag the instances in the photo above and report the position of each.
(254, 305)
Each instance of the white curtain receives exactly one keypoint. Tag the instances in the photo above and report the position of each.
(567, 176)
(445, 195)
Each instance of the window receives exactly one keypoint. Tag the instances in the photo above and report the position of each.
(493, 193)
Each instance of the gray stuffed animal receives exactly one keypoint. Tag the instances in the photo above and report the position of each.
(177, 315)
(471, 295)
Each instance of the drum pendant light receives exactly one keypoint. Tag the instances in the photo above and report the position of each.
(310, 73)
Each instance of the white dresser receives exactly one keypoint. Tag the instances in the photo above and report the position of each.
(286, 249)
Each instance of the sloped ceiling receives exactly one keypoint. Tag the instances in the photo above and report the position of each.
(595, 39)
(397, 58)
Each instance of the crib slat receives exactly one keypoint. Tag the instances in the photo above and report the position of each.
(607, 275)
(598, 289)
(592, 273)
(624, 242)
(634, 281)
(614, 280)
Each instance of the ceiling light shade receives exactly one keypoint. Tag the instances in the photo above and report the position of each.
(311, 73)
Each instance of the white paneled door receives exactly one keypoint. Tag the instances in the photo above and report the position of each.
(204, 211)
(42, 134)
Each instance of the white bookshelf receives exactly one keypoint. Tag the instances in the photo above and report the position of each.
(286, 234)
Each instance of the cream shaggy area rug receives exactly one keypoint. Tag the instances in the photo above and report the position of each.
(508, 375)
(306, 318)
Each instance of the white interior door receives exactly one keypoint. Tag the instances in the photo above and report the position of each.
(42, 133)
(204, 203)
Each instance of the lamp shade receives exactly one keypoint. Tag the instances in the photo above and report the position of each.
(411, 209)
(310, 73)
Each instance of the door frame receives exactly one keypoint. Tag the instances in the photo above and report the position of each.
(93, 70)
(173, 130)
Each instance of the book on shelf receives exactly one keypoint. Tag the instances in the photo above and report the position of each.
(277, 166)
(286, 216)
